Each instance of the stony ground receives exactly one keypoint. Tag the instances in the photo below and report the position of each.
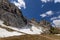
(33, 37)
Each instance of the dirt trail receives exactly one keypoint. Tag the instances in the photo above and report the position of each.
(49, 37)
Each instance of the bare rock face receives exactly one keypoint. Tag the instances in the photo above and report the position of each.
(45, 25)
(11, 15)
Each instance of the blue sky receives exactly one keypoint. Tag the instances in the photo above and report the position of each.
(40, 9)
(34, 9)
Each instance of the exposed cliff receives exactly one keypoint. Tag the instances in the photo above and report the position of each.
(11, 15)
(45, 25)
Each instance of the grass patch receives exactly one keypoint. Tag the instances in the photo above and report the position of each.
(32, 37)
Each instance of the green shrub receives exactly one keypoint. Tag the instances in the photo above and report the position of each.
(54, 30)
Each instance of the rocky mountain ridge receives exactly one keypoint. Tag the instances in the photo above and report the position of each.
(46, 26)
(11, 15)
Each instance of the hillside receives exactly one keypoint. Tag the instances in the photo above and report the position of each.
(33, 37)
(11, 15)
(14, 26)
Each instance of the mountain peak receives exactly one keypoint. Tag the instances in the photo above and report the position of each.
(11, 15)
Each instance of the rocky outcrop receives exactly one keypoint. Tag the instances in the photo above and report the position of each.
(45, 25)
(11, 15)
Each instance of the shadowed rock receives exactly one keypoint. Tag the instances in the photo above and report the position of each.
(11, 15)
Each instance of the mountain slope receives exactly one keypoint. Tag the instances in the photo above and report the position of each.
(11, 15)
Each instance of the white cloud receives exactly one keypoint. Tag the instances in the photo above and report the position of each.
(54, 18)
(59, 16)
(57, 23)
(20, 4)
(43, 15)
(45, 1)
(57, 1)
(48, 13)
(42, 6)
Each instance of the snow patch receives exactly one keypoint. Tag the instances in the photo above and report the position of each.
(34, 29)
(57, 34)
(5, 33)
(37, 30)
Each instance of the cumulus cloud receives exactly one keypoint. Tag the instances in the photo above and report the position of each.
(54, 18)
(43, 15)
(45, 1)
(57, 1)
(57, 23)
(19, 4)
(48, 13)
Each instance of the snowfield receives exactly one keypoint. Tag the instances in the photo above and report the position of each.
(5, 33)
(32, 30)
